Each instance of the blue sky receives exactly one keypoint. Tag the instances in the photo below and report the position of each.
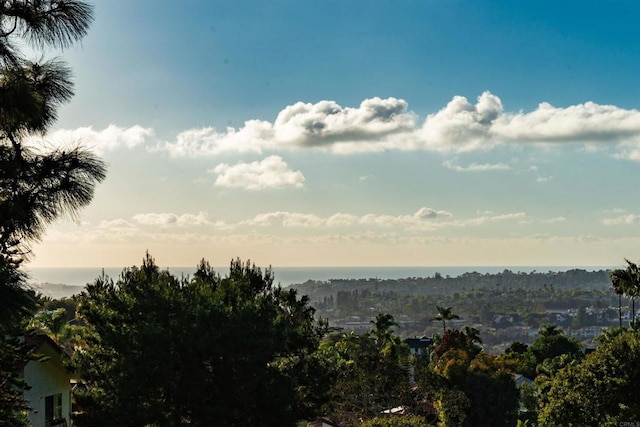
(307, 133)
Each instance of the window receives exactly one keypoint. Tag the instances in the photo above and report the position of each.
(53, 409)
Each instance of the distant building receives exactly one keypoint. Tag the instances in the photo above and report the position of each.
(419, 346)
(521, 379)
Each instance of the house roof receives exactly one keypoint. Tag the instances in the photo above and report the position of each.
(322, 422)
(519, 379)
(37, 341)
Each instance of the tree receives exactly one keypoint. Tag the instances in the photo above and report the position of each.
(618, 288)
(552, 343)
(492, 393)
(212, 350)
(473, 334)
(627, 282)
(36, 186)
(382, 328)
(444, 314)
(468, 386)
(54, 23)
(601, 390)
(17, 305)
(372, 372)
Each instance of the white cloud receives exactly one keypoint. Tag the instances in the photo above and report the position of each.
(386, 124)
(255, 136)
(286, 219)
(428, 213)
(544, 178)
(101, 141)
(476, 167)
(486, 219)
(171, 219)
(295, 219)
(325, 125)
(272, 172)
(378, 125)
(461, 126)
(622, 220)
(588, 122)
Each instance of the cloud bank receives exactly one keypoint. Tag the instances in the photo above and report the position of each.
(379, 125)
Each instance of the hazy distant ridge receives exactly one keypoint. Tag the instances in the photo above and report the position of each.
(61, 282)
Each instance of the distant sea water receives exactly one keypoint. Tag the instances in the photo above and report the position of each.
(285, 276)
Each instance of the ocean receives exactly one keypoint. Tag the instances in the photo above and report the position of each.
(74, 279)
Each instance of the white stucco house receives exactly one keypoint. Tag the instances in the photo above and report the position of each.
(49, 396)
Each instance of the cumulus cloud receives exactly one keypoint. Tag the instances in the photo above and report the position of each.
(171, 219)
(324, 125)
(255, 137)
(387, 124)
(100, 141)
(461, 126)
(588, 122)
(327, 123)
(272, 172)
(476, 167)
(428, 213)
(378, 125)
(622, 220)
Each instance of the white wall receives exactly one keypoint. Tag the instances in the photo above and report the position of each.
(47, 378)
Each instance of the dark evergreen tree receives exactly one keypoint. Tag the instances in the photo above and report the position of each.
(36, 186)
(231, 351)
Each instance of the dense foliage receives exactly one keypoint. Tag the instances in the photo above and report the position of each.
(353, 379)
(231, 351)
(37, 186)
(601, 390)
(371, 372)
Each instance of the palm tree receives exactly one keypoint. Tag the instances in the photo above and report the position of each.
(627, 281)
(550, 330)
(473, 334)
(443, 315)
(618, 289)
(382, 328)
